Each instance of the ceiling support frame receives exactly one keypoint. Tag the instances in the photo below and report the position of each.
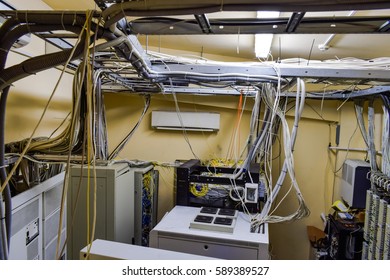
(204, 23)
(294, 21)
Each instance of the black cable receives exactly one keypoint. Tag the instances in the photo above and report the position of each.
(3, 173)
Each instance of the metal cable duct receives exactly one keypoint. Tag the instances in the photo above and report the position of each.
(129, 51)
(169, 8)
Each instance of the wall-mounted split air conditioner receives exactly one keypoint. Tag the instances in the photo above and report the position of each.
(190, 121)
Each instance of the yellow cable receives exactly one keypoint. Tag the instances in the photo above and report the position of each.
(90, 118)
(88, 115)
(88, 139)
(147, 183)
(65, 188)
(199, 193)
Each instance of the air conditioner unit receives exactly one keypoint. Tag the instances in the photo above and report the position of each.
(355, 183)
(191, 121)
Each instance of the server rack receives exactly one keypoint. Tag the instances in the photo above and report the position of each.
(192, 172)
(122, 214)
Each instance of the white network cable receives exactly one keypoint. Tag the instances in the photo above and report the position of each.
(288, 166)
(344, 63)
(386, 142)
(272, 100)
(371, 133)
(360, 119)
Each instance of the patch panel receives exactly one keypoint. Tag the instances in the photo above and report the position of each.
(386, 251)
(386, 245)
(375, 208)
(373, 224)
(368, 214)
(388, 215)
(382, 213)
(378, 254)
(380, 229)
(365, 251)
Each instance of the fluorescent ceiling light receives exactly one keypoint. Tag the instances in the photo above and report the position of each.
(263, 41)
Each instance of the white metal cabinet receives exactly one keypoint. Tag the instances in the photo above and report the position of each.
(174, 233)
(35, 221)
(114, 206)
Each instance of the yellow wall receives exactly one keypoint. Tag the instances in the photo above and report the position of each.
(27, 99)
(289, 240)
(168, 146)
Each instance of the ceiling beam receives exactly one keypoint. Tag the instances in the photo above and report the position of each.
(294, 21)
(124, 8)
(385, 27)
(204, 23)
(298, 24)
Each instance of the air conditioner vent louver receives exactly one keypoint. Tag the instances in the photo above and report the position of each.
(191, 121)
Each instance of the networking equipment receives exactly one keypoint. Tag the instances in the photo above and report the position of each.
(126, 201)
(200, 185)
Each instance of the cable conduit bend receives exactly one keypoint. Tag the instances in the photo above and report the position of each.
(43, 62)
(128, 51)
(12, 36)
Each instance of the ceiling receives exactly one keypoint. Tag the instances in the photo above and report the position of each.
(284, 46)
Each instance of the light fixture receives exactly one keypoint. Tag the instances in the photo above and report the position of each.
(263, 41)
(326, 45)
